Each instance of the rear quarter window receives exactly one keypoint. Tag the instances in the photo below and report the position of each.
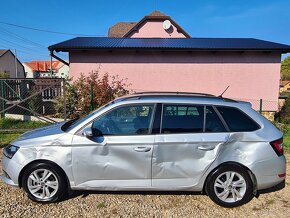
(237, 120)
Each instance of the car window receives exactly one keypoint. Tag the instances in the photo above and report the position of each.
(213, 122)
(182, 118)
(236, 120)
(125, 120)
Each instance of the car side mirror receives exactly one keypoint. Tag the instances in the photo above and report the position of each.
(88, 132)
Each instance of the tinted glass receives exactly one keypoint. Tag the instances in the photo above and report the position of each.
(126, 120)
(236, 120)
(213, 122)
(182, 118)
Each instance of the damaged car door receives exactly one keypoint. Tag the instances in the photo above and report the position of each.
(189, 140)
(115, 150)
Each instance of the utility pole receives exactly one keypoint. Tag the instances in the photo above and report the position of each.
(16, 68)
(51, 65)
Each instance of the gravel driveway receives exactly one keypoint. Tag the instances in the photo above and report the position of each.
(14, 203)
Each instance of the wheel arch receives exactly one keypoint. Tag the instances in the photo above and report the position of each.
(231, 163)
(42, 161)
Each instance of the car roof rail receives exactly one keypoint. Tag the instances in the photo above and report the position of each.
(172, 93)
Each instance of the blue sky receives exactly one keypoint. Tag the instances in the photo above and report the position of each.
(263, 19)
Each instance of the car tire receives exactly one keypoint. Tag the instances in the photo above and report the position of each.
(230, 186)
(44, 183)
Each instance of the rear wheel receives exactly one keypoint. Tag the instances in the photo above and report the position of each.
(44, 183)
(230, 186)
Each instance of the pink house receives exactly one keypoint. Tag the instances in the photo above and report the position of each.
(156, 54)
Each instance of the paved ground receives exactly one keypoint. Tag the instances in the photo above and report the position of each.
(14, 203)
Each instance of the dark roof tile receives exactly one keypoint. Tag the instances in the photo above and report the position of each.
(241, 44)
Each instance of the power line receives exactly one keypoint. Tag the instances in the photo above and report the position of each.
(15, 44)
(22, 38)
(43, 30)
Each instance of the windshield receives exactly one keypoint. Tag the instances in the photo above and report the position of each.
(75, 122)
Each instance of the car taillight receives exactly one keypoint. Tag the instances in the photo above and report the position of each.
(277, 145)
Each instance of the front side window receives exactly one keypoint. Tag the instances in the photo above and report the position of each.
(182, 119)
(236, 120)
(125, 120)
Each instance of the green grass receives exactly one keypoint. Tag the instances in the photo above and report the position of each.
(17, 128)
(19, 124)
(6, 137)
(286, 142)
(286, 137)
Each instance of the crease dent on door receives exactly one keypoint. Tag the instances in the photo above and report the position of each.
(112, 163)
(178, 160)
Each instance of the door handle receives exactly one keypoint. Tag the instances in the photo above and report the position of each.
(142, 149)
(205, 148)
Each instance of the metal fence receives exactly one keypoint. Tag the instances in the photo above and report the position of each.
(36, 99)
(32, 99)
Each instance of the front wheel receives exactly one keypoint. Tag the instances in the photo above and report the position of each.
(44, 183)
(230, 186)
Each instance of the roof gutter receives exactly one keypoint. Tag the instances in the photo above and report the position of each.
(58, 58)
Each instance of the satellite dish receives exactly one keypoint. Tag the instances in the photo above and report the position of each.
(166, 24)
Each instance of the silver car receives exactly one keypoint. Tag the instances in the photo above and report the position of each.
(153, 141)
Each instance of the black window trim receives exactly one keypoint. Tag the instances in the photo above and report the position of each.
(79, 132)
(180, 104)
(242, 113)
(158, 111)
(221, 118)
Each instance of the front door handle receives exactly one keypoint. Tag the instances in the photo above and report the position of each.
(142, 149)
(205, 148)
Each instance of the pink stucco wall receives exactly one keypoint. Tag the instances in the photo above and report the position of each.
(250, 75)
(154, 29)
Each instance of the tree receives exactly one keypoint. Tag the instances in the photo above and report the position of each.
(285, 69)
(283, 116)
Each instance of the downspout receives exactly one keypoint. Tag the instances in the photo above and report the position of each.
(58, 58)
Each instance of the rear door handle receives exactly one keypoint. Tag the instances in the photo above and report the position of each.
(205, 148)
(142, 149)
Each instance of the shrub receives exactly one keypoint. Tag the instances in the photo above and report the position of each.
(283, 116)
(4, 74)
(88, 93)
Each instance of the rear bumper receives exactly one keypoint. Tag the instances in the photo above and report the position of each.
(275, 188)
(267, 172)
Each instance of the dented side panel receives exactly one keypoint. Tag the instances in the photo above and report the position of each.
(119, 158)
(179, 160)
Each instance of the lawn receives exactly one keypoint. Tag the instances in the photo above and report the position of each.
(17, 127)
(19, 124)
(7, 137)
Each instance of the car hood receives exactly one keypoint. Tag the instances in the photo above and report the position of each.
(41, 136)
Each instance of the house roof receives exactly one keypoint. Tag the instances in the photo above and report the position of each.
(284, 83)
(3, 51)
(124, 29)
(121, 28)
(43, 66)
(188, 44)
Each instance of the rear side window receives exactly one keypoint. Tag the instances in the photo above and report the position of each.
(236, 120)
(182, 119)
(213, 122)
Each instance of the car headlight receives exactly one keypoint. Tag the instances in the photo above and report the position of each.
(10, 150)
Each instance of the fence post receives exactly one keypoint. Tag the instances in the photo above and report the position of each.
(261, 105)
(91, 96)
(2, 101)
(64, 98)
